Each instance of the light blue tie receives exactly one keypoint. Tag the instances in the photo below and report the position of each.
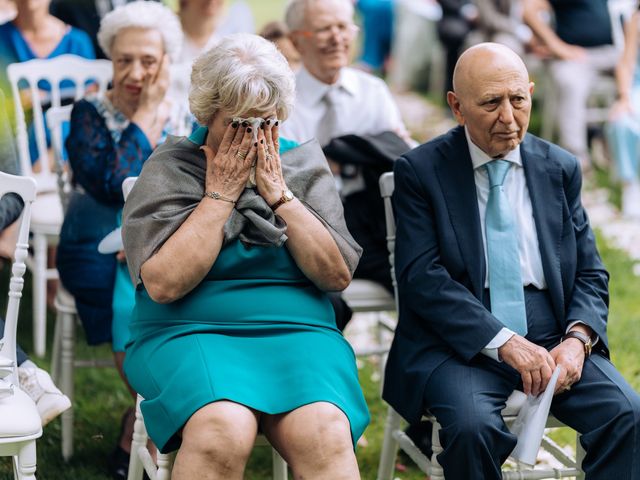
(505, 280)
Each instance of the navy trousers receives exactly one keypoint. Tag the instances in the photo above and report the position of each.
(467, 398)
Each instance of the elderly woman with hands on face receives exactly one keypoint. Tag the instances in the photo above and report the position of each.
(110, 139)
(232, 329)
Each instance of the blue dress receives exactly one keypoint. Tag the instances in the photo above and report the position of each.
(255, 331)
(14, 48)
(104, 148)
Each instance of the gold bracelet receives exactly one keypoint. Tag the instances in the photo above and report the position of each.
(219, 196)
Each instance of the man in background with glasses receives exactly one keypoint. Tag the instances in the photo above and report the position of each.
(334, 100)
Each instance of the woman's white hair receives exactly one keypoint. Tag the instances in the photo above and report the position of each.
(142, 14)
(242, 73)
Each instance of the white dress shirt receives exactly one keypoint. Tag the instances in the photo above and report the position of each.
(517, 192)
(515, 187)
(364, 102)
(364, 107)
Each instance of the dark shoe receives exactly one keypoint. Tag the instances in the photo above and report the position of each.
(420, 435)
(118, 464)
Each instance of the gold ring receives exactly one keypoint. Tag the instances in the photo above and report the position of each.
(241, 155)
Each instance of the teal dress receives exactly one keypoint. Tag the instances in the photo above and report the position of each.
(255, 331)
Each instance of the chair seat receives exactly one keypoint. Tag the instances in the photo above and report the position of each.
(19, 417)
(365, 295)
(46, 214)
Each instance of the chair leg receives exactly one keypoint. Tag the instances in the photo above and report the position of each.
(139, 440)
(25, 462)
(580, 453)
(279, 466)
(437, 473)
(389, 446)
(165, 465)
(39, 294)
(56, 372)
(67, 354)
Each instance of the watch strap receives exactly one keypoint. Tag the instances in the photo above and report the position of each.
(287, 196)
(585, 339)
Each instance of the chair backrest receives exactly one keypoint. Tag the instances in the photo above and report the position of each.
(386, 191)
(80, 71)
(56, 118)
(620, 12)
(127, 185)
(25, 187)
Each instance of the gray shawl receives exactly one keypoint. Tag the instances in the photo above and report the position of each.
(171, 185)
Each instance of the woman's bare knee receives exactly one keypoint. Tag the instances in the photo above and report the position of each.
(219, 437)
(313, 438)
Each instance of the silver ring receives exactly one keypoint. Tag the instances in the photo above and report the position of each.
(269, 157)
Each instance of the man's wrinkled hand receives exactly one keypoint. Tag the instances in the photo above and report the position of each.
(570, 356)
(534, 364)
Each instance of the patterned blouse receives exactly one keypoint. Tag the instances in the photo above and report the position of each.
(105, 147)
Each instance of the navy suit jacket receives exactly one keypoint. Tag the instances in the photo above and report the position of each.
(440, 263)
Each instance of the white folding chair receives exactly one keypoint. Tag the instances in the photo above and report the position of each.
(47, 211)
(63, 358)
(20, 425)
(394, 436)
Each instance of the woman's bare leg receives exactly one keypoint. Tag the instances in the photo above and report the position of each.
(216, 443)
(315, 440)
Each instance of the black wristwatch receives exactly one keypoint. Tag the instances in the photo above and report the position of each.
(585, 339)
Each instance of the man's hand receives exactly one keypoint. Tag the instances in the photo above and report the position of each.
(533, 362)
(570, 355)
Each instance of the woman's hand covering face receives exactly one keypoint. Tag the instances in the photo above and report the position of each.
(228, 169)
(269, 179)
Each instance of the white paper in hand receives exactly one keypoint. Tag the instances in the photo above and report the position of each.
(530, 422)
(112, 243)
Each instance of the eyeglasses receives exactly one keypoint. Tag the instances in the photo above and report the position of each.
(324, 34)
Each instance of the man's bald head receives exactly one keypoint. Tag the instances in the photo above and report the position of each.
(492, 97)
(484, 59)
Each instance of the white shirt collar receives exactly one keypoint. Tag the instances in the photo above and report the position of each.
(314, 89)
(479, 158)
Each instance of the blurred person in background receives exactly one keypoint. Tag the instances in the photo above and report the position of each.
(278, 33)
(581, 45)
(377, 28)
(334, 100)
(110, 139)
(623, 130)
(204, 22)
(35, 33)
(457, 22)
(500, 21)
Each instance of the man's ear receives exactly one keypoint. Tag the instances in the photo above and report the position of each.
(454, 104)
(295, 39)
(531, 88)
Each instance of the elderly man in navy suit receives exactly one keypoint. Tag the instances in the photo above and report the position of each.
(500, 282)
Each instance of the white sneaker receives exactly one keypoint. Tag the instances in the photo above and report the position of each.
(49, 400)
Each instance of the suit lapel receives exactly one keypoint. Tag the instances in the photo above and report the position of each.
(544, 181)
(455, 174)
